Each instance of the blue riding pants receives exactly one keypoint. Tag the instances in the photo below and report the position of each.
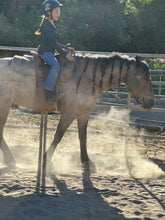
(51, 79)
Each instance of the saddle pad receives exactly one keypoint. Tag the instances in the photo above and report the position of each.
(34, 65)
(30, 65)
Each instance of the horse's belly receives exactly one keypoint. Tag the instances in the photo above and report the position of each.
(31, 96)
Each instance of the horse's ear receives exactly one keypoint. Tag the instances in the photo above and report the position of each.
(138, 59)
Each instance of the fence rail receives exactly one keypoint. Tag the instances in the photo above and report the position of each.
(27, 49)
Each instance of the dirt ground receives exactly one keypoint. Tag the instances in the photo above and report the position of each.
(128, 183)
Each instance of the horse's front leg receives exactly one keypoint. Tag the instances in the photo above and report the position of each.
(82, 129)
(65, 120)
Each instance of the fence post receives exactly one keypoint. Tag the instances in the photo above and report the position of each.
(41, 172)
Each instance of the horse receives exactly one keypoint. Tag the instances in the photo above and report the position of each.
(79, 86)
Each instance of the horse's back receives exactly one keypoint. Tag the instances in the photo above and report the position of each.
(5, 61)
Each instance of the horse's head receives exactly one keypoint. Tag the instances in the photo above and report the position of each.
(139, 83)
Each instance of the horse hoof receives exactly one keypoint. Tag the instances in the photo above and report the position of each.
(49, 168)
(10, 163)
(89, 166)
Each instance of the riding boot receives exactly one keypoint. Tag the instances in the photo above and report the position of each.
(49, 95)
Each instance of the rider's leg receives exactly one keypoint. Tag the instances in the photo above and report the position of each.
(51, 79)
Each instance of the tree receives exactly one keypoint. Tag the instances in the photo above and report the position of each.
(145, 25)
(93, 25)
(100, 25)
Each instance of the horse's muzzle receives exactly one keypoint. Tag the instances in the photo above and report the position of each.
(147, 101)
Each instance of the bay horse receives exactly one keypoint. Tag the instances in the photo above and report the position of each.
(79, 86)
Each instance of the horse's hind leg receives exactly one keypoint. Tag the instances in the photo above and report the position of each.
(7, 155)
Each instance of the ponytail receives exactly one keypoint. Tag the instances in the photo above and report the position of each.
(38, 32)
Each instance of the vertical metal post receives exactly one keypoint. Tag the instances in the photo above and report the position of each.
(127, 134)
(44, 153)
(41, 156)
(160, 87)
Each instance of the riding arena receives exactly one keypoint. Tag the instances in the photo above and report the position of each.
(109, 125)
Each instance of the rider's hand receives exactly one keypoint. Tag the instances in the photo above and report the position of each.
(71, 49)
(70, 58)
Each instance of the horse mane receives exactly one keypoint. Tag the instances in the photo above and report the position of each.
(104, 60)
(112, 58)
(100, 59)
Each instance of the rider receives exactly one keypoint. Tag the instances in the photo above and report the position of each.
(48, 46)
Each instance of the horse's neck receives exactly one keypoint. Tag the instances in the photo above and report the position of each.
(107, 75)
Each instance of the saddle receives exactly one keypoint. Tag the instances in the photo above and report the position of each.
(26, 63)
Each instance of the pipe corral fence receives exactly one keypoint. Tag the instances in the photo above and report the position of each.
(118, 97)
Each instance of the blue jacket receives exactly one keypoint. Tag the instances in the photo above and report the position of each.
(48, 41)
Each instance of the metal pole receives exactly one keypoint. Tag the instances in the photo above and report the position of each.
(27, 49)
(127, 135)
(44, 153)
(41, 156)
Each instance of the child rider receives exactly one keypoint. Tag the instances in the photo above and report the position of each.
(48, 46)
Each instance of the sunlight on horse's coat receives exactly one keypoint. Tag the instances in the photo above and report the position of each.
(87, 78)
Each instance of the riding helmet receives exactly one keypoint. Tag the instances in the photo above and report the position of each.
(49, 5)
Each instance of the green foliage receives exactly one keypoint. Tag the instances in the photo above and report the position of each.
(145, 1)
(146, 26)
(157, 64)
(100, 25)
(92, 25)
(19, 20)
